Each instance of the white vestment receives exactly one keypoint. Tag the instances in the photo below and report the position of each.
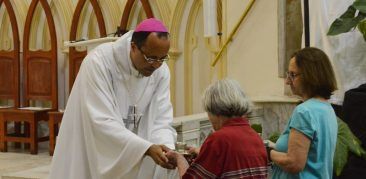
(93, 142)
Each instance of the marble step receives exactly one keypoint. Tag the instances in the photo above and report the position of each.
(34, 173)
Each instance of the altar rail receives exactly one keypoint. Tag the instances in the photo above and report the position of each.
(271, 114)
(193, 129)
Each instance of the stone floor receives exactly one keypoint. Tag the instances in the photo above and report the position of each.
(20, 164)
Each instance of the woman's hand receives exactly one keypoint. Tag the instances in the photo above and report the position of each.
(178, 160)
(193, 150)
(269, 144)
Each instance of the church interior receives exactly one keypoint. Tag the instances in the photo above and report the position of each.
(43, 43)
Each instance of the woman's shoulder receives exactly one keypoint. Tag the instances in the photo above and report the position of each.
(214, 143)
(221, 136)
(218, 137)
(311, 105)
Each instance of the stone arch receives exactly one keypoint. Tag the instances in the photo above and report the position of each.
(112, 10)
(177, 30)
(62, 13)
(183, 42)
(126, 16)
(163, 9)
(189, 45)
(20, 10)
(37, 28)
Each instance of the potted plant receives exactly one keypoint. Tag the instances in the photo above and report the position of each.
(353, 17)
(346, 142)
(257, 128)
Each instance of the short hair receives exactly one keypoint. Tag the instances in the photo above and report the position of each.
(225, 98)
(139, 38)
(317, 73)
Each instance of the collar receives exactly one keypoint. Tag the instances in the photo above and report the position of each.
(124, 62)
(133, 70)
(240, 121)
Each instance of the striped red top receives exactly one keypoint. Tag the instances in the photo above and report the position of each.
(234, 151)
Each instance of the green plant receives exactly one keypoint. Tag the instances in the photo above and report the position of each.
(354, 16)
(257, 128)
(274, 137)
(346, 142)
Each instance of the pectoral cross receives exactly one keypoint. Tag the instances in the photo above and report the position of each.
(132, 118)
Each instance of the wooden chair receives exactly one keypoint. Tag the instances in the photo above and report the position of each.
(75, 60)
(40, 84)
(54, 123)
(9, 70)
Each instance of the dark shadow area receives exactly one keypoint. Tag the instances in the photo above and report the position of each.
(353, 112)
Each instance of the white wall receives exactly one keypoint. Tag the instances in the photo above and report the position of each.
(252, 57)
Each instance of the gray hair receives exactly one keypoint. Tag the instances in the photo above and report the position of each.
(226, 98)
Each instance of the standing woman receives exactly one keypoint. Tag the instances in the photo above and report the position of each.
(306, 147)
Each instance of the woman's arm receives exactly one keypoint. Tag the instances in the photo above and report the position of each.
(294, 160)
(182, 165)
(177, 159)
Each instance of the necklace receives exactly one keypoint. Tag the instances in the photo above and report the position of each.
(131, 94)
(133, 115)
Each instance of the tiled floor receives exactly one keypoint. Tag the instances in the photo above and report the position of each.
(20, 164)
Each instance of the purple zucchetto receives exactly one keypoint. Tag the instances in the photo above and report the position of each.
(151, 25)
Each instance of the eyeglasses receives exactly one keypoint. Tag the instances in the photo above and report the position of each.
(292, 75)
(152, 60)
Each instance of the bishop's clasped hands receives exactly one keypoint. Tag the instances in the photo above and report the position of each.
(167, 158)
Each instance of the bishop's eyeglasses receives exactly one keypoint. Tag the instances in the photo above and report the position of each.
(152, 60)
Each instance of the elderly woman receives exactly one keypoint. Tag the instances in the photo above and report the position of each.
(234, 150)
(306, 147)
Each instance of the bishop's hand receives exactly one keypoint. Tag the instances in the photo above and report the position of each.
(157, 153)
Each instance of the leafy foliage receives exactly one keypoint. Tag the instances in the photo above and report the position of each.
(360, 5)
(346, 141)
(274, 137)
(257, 127)
(352, 18)
(362, 28)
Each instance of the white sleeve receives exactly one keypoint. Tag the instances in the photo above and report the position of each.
(162, 130)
